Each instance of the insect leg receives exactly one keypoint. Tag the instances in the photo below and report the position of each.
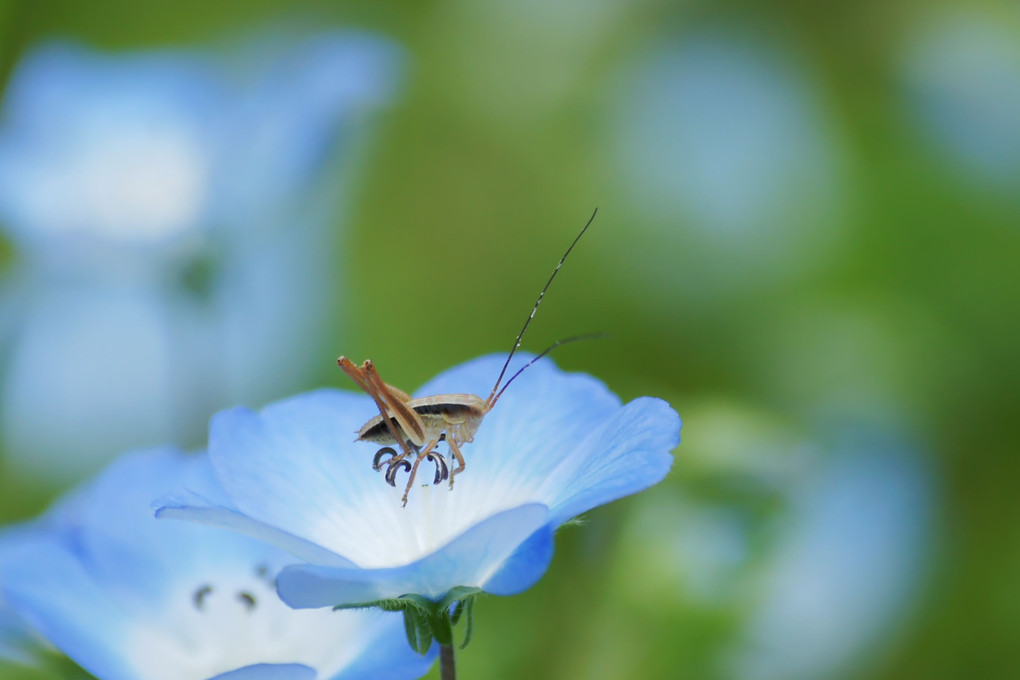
(384, 451)
(442, 469)
(393, 469)
(452, 441)
(425, 451)
(358, 375)
(408, 419)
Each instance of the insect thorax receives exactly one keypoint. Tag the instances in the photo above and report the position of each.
(455, 415)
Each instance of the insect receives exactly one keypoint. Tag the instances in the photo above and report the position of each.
(417, 425)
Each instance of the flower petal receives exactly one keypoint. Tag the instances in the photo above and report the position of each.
(190, 506)
(50, 589)
(114, 379)
(270, 671)
(627, 454)
(523, 569)
(391, 658)
(286, 466)
(471, 559)
(126, 549)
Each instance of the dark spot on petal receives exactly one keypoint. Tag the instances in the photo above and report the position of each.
(200, 595)
(247, 599)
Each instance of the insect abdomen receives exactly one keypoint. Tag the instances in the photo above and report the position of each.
(459, 415)
(375, 430)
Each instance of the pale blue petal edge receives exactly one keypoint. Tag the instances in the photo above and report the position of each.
(391, 659)
(474, 558)
(632, 454)
(192, 507)
(526, 566)
(270, 671)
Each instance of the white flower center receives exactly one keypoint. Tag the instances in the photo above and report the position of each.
(388, 534)
(235, 620)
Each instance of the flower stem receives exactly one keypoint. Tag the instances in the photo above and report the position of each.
(447, 667)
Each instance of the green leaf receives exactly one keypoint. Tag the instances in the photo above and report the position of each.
(390, 605)
(442, 629)
(457, 611)
(457, 594)
(468, 607)
(423, 604)
(578, 521)
(425, 620)
(58, 665)
(395, 604)
(418, 629)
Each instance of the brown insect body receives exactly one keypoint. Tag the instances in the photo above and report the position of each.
(453, 415)
(417, 425)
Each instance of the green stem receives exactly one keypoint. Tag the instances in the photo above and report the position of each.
(447, 667)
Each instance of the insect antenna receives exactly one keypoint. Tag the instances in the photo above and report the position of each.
(587, 336)
(517, 342)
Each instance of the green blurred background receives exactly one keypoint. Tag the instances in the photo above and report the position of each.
(877, 283)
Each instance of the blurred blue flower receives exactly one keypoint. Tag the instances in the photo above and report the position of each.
(19, 642)
(848, 563)
(172, 215)
(556, 445)
(131, 598)
(814, 547)
(961, 75)
(723, 146)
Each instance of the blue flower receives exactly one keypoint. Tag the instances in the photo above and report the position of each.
(722, 144)
(128, 597)
(166, 209)
(555, 446)
(721, 128)
(849, 557)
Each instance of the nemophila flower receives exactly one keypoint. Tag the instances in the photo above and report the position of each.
(723, 128)
(166, 209)
(847, 562)
(19, 642)
(556, 445)
(811, 542)
(129, 597)
(724, 147)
